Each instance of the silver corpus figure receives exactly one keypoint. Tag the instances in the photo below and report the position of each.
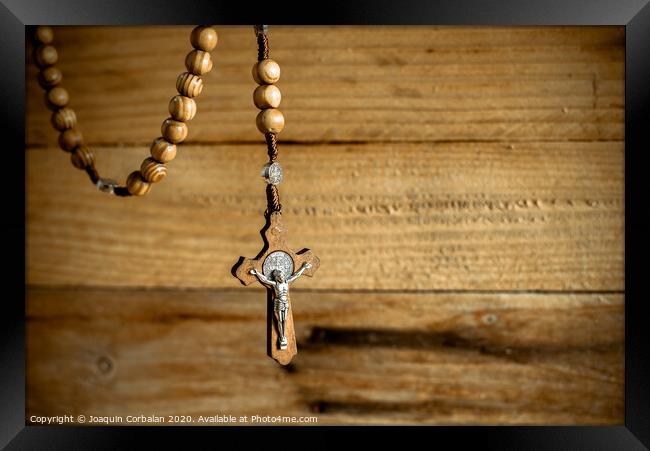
(281, 301)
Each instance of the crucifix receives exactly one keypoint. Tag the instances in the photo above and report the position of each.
(276, 267)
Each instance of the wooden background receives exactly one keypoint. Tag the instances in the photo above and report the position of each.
(463, 188)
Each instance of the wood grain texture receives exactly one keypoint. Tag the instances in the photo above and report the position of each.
(462, 186)
(532, 216)
(442, 358)
(350, 83)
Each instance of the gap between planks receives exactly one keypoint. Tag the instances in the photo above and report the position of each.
(191, 289)
(525, 359)
(124, 145)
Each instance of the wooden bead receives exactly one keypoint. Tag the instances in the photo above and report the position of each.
(82, 157)
(198, 62)
(189, 85)
(64, 118)
(153, 171)
(136, 185)
(266, 72)
(174, 131)
(182, 108)
(46, 55)
(57, 97)
(44, 34)
(267, 96)
(204, 38)
(270, 120)
(162, 150)
(69, 139)
(50, 76)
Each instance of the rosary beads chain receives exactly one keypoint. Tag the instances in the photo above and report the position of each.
(182, 108)
(270, 120)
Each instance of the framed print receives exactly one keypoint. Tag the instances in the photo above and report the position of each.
(467, 179)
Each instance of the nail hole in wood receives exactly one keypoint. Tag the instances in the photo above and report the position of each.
(105, 364)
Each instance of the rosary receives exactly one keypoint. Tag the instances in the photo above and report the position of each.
(276, 266)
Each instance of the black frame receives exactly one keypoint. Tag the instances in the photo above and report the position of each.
(633, 14)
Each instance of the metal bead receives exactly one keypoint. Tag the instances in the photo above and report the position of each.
(106, 185)
(272, 173)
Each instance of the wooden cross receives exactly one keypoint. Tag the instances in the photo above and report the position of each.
(275, 255)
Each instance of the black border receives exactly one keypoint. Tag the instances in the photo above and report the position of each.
(634, 14)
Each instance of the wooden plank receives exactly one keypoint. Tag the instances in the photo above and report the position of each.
(350, 83)
(459, 216)
(381, 358)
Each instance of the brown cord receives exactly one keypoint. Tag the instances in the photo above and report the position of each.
(272, 145)
(92, 173)
(262, 47)
(121, 191)
(273, 198)
(272, 194)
